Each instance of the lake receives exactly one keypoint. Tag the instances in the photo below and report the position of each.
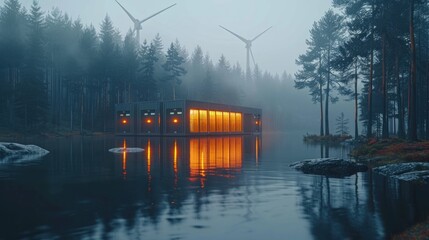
(238, 187)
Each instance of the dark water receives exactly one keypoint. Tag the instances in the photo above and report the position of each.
(198, 188)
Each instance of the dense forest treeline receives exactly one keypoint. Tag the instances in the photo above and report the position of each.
(375, 52)
(57, 73)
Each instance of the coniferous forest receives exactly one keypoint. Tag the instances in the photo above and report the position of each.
(375, 52)
(57, 73)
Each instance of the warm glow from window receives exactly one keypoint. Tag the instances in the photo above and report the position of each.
(194, 121)
(232, 125)
(219, 122)
(239, 122)
(226, 121)
(124, 121)
(175, 120)
(149, 121)
(212, 121)
(203, 121)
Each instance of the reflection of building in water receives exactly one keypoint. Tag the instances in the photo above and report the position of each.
(172, 159)
(218, 153)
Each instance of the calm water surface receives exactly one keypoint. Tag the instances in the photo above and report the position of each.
(197, 188)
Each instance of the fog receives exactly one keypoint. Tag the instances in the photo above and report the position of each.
(195, 22)
(192, 23)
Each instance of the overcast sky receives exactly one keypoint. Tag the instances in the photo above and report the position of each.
(196, 22)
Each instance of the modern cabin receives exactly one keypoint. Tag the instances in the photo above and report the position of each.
(185, 118)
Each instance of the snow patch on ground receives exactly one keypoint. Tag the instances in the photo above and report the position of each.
(15, 152)
(410, 172)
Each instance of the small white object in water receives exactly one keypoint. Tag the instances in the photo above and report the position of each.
(127, 150)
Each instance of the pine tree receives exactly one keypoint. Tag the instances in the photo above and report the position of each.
(342, 122)
(106, 67)
(317, 63)
(13, 27)
(173, 67)
(130, 64)
(31, 101)
(148, 60)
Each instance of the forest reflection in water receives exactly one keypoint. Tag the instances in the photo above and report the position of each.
(189, 188)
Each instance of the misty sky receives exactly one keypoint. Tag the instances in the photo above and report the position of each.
(195, 22)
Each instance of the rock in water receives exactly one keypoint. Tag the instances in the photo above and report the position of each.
(410, 172)
(15, 152)
(332, 167)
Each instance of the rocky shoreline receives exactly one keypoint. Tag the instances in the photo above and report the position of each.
(393, 158)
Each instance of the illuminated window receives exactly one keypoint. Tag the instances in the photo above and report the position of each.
(232, 122)
(239, 122)
(226, 121)
(212, 121)
(203, 120)
(219, 121)
(194, 121)
(215, 121)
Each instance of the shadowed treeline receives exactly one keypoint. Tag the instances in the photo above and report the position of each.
(59, 73)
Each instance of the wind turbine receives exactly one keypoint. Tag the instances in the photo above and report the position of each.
(138, 23)
(248, 43)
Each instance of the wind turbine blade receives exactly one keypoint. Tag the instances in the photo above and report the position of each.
(238, 36)
(253, 58)
(129, 14)
(261, 34)
(144, 20)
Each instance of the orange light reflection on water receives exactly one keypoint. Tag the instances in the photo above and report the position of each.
(149, 155)
(175, 157)
(257, 150)
(208, 154)
(124, 159)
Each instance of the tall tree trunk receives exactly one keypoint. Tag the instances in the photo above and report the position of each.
(321, 111)
(328, 82)
(322, 132)
(412, 120)
(427, 102)
(356, 100)
(401, 129)
(174, 91)
(82, 97)
(371, 72)
(385, 129)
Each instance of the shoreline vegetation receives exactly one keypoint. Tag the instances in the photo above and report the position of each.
(313, 138)
(379, 152)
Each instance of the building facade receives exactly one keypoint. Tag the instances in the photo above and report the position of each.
(185, 118)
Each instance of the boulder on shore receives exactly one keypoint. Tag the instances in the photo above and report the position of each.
(332, 167)
(410, 172)
(15, 152)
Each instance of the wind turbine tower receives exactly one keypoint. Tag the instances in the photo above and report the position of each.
(248, 43)
(138, 23)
